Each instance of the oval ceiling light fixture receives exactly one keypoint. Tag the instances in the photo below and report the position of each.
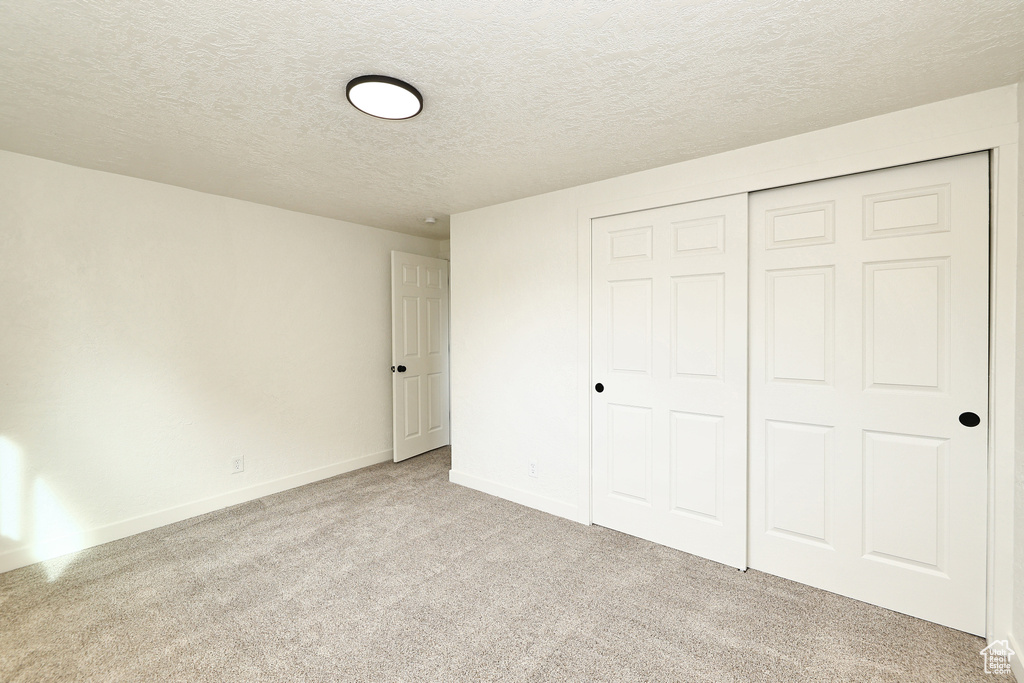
(384, 97)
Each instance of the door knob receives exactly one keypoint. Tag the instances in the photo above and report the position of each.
(599, 387)
(392, 368)
(402, 368)
(970, 419)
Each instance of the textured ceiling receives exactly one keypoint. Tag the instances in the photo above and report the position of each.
(246, 99)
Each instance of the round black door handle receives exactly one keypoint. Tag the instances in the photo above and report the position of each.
(402, 368)
(970, 419)
(599, 387)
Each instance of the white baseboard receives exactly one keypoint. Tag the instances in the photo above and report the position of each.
(21, 557)
(1017, 661)
(527, 498)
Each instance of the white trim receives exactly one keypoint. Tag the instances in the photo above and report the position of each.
(978, 122)
(583, 325)
(1017, 660)
(527, 498)
(1002, 390)
(22, 557)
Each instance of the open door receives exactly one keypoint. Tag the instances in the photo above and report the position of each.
(419, 353)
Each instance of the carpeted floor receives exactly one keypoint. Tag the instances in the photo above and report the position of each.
(391, 573)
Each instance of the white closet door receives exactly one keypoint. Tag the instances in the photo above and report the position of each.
(869, 346)
(669, 349)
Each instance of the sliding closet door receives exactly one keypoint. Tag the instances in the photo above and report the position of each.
(669, 368)
(869, 393)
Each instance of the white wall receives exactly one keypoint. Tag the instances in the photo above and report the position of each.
(520, 316)
(1018, 565)
(513, 341)
(148, 334)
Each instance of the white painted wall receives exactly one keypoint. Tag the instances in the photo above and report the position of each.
(513, 341)
(1018, 564)
(150, 333)
(520, 313)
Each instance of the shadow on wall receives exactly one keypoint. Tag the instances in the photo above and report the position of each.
(32, 515)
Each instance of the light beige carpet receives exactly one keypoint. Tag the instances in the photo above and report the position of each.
(391, 573)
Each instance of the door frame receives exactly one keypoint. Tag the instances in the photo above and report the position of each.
(896, 139)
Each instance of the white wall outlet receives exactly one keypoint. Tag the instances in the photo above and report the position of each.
(237, 465)
(533, 468)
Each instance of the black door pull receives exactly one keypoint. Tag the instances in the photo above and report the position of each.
(599, 387)
(970, 419)
(402, 368)
(392, 368)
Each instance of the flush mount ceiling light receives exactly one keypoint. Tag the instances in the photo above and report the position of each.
(384, 97)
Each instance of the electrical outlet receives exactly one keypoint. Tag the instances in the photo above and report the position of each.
(237, 465)
(533, 468)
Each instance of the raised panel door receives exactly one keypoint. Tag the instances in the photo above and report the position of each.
(419, 329)
(669, 348)
(868, 338)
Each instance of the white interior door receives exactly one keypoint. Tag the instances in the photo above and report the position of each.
(669, 360)
(419, 353)
(869, 340)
